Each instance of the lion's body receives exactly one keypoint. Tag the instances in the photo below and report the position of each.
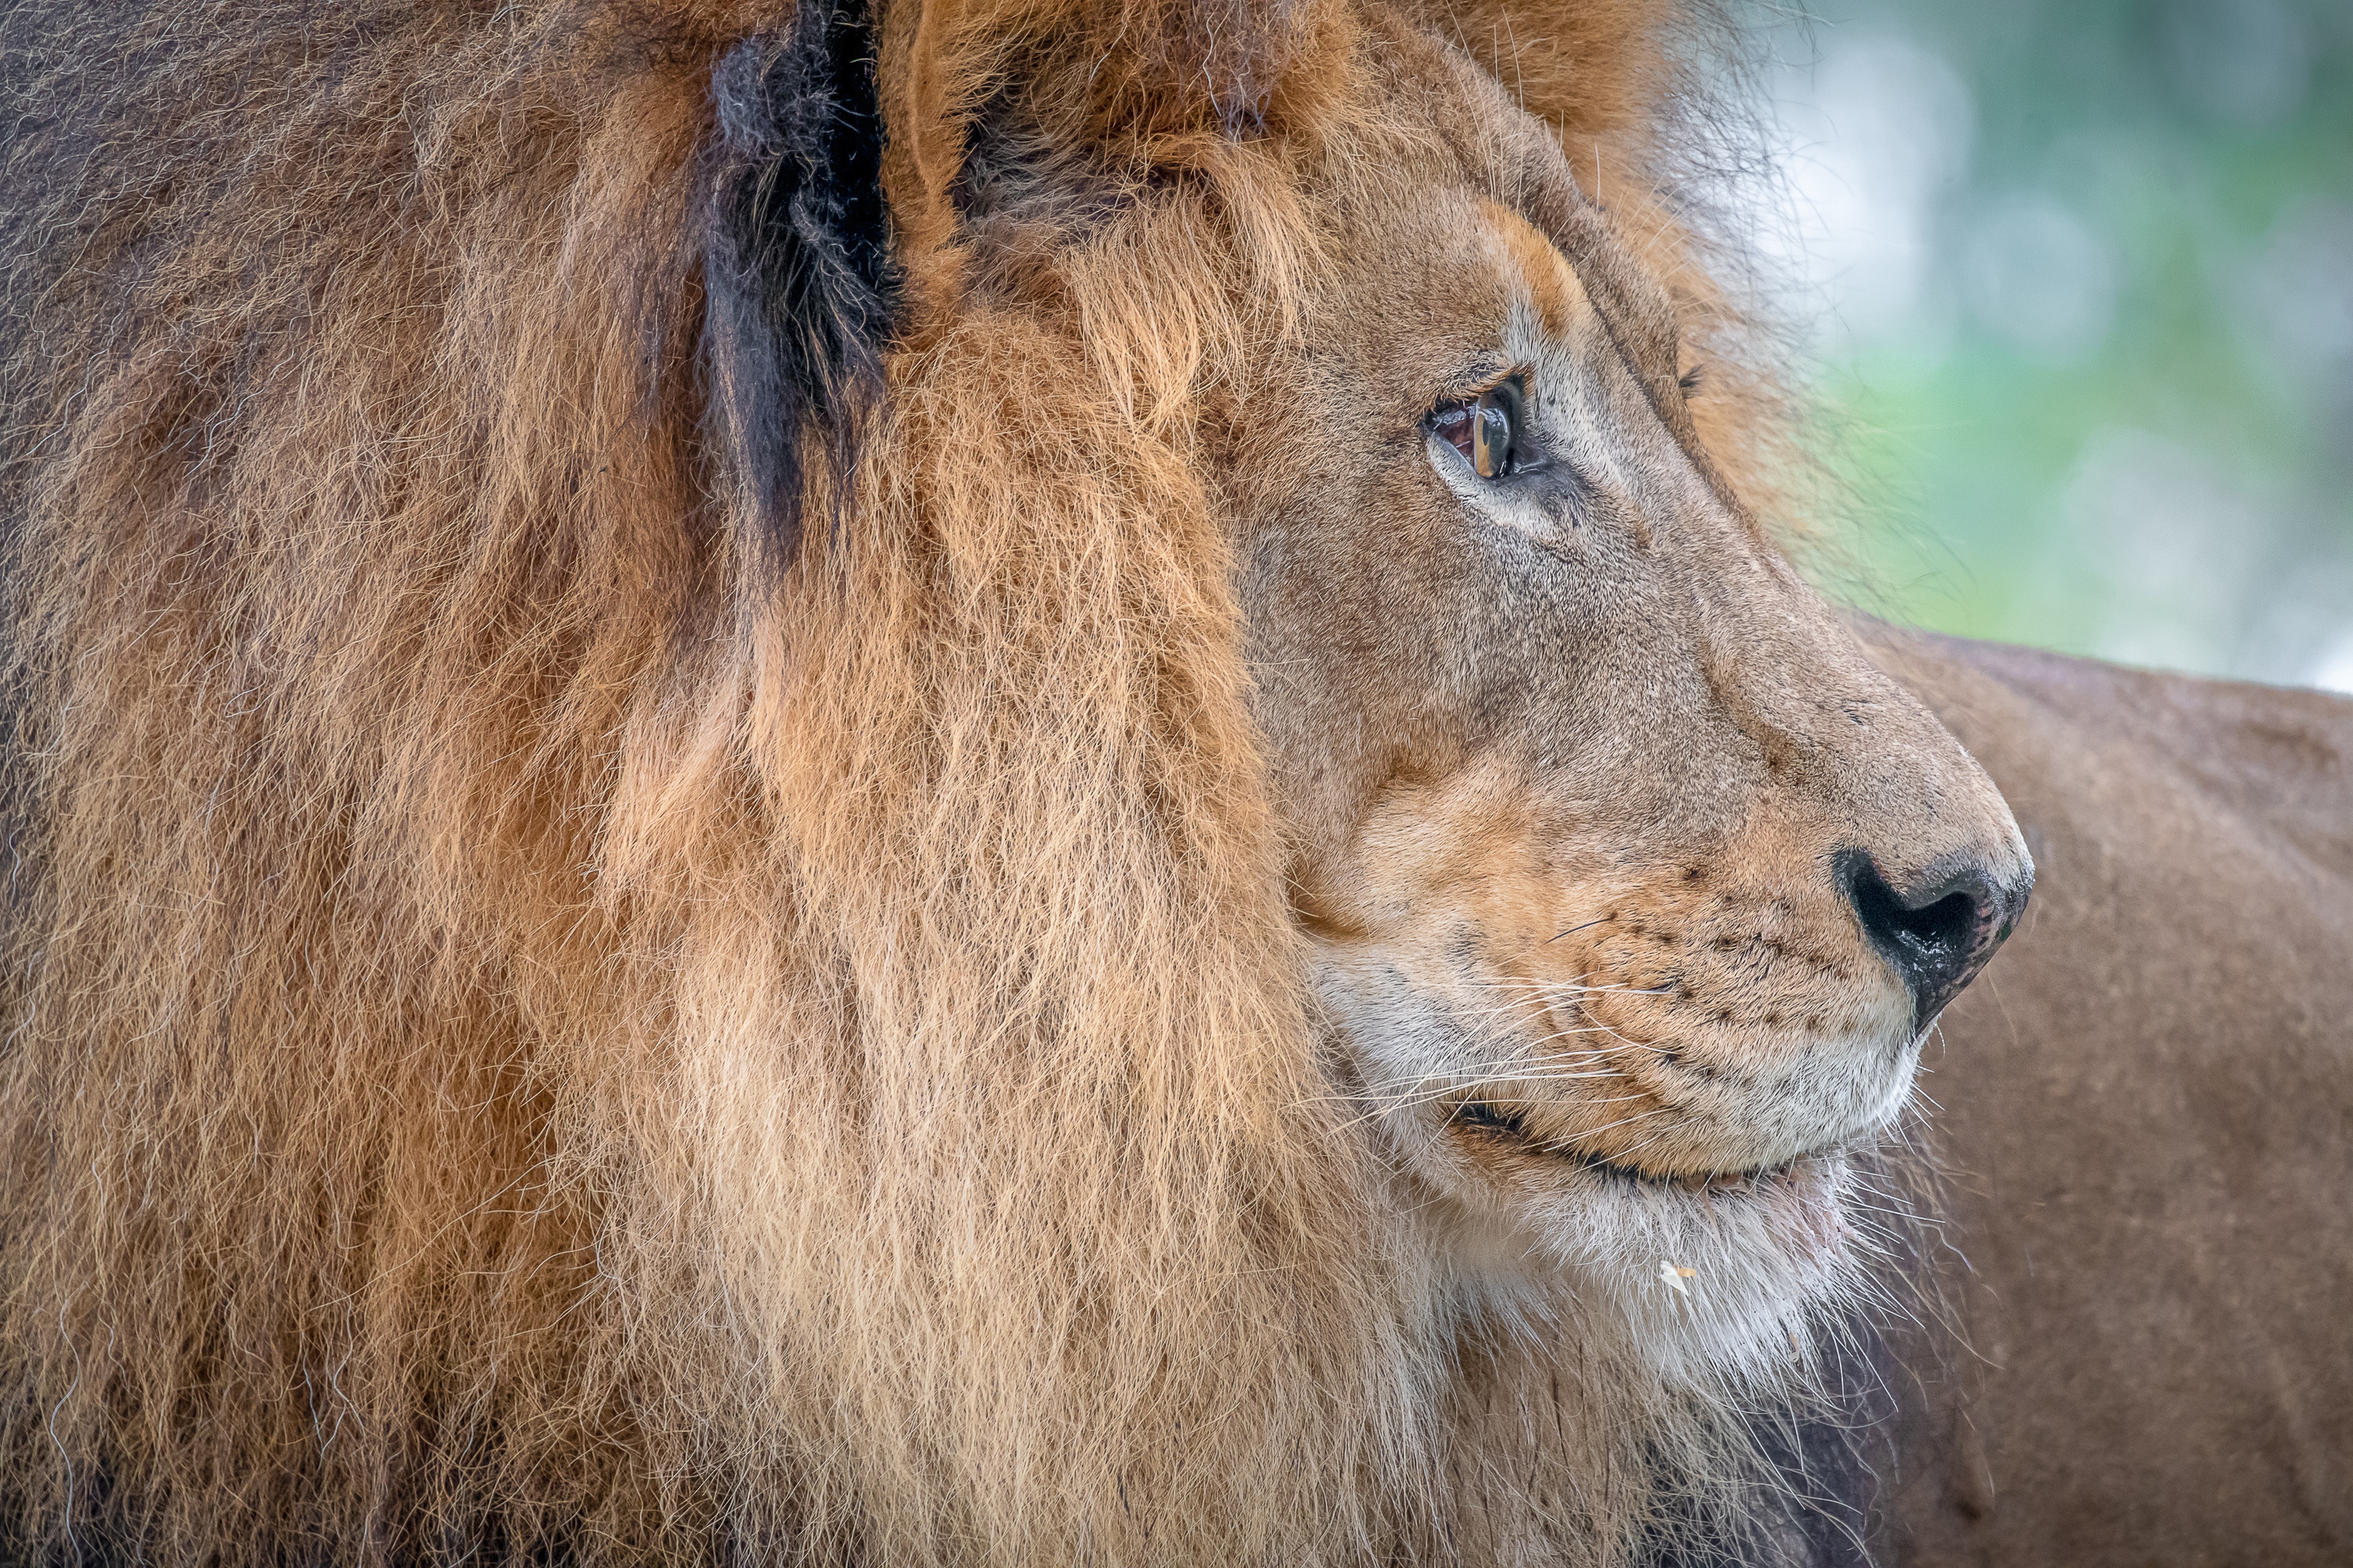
(2147, 1109)
(698, 876)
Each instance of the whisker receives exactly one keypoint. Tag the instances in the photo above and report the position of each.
(1646, 1142)
(1629, 1121)
(1608, 1100)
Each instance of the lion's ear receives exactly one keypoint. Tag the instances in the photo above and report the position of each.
(1091, 73)
(1238, 67)
(1592, 69)
(800, 286)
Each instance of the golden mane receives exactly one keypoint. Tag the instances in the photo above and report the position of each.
(557, 1009)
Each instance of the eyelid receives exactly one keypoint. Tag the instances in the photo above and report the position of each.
(1478, 380)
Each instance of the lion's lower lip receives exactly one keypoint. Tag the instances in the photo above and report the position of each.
(1488, 1118)
(1690, 1182)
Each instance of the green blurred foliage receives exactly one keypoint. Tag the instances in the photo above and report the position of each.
(2087, 355)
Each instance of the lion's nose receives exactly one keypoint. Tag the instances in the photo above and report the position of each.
(1938, 934)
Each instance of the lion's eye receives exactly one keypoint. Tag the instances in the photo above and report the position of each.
(1487, 429)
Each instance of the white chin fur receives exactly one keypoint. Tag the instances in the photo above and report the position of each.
(1707, 1288)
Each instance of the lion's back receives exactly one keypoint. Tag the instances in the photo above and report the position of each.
(2147, 1109)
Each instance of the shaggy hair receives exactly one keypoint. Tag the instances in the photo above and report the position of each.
(643, 919)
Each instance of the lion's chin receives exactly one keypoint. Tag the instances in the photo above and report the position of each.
(1725, 1273)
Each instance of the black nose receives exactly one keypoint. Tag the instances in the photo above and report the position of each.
(1936, 935)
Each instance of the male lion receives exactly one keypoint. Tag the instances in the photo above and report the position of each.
(966, 781)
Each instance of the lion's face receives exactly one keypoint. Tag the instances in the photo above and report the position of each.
(1632, 883)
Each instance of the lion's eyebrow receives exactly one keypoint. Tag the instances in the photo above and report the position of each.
(1543, 269)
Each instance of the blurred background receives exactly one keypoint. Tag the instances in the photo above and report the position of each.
(2079, 282)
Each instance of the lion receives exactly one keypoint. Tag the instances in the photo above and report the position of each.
(931, 782)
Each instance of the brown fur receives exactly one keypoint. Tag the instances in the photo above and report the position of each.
(2145, 1110)
(539, 1027)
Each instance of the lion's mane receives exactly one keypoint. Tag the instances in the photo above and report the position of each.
(623, 941)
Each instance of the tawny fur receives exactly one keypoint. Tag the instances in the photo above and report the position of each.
(534, 1029)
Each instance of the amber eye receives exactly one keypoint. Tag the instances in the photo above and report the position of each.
(1487, 429)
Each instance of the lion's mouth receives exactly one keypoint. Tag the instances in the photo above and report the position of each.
(1486, 1118)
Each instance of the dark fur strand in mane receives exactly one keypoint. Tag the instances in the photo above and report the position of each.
(801, 287)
